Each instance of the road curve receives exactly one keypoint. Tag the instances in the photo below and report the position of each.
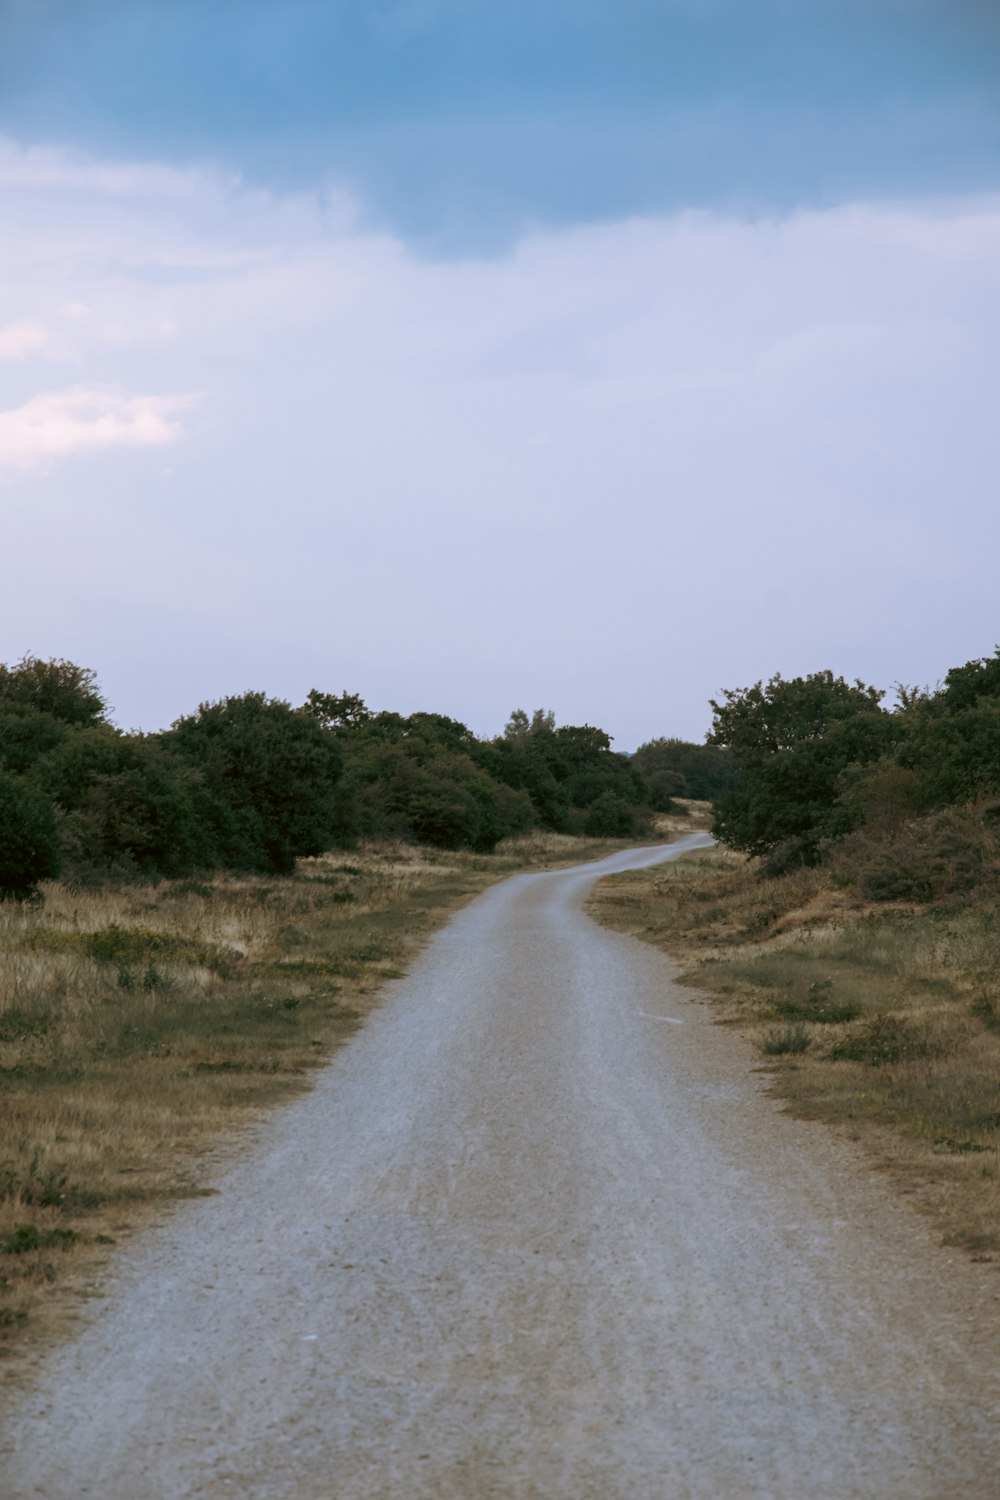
(537, 1232)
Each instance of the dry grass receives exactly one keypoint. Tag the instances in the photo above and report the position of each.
(882, 1021)
(139, 1024)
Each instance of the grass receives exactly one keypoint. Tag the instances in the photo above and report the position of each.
(882, 1021)
(141, 1023)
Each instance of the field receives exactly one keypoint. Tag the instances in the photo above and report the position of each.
(883, 1021)
(141, 1024)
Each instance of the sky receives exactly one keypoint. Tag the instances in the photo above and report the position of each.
(592, 356)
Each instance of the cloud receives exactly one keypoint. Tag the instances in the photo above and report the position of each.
(58, 423)
(18, 340)
(614, 470)
(57, 169)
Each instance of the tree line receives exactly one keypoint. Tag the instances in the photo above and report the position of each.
(251, 783)
(905, 797)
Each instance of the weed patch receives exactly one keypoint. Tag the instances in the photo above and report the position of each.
(786, 1039)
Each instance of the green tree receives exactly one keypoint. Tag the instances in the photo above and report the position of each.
(60, 688)
(701, 771)
(792, 741)
(29, 844)
(127, 802)
(271, 773)
(610, 817)
(26, 734)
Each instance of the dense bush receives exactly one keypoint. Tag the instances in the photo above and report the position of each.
(945, 854)
(563, 768)
(26, 735)
(610, 817)
(900, 803)
(29, 845)
(677, 768)
(60, 688)
(251, 783)
(269, 775)
(792, 742)
(127, 804)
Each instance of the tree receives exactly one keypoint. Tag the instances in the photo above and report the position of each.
(29, 844)
(60, 688)
(520, 728)
(792, 741)
(610, 817)
(26, 734)
(337, 711)
(702, 771)
(271, 773)
(127, 802)
(761, 720)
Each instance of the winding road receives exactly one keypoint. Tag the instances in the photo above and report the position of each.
(538, 1232)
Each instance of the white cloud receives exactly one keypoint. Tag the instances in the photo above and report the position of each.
(53, 169)
(18, 340)
(58, 423)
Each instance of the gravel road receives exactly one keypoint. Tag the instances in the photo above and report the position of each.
(538, 1232)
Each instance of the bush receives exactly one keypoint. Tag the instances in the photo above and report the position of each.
(29, 844)
(128, 806)
(786, 1040)
(945, 854)
(269, 776)
(884, 1041)
(25, 736)
(60, 688)
(610, 817)
(699, 771)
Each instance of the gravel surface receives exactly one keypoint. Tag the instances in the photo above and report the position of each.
(537, 1232)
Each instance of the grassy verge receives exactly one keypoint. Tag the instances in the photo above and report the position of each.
(139, 1024)
(883, 1021)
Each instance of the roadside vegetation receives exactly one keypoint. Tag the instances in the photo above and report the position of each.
(850, 920)
(140, 1023)
(191, 921)
(252, 784)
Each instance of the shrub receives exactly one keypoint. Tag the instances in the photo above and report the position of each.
(60, 688)
(785, 1040)
(29, 844)
(129, 806)
(269, 777)
(688, 770)
(943, 854)
(610, 817)
(884, 1040)
(25, 736)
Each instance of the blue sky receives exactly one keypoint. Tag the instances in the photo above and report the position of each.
(461, 121)
(471, 354)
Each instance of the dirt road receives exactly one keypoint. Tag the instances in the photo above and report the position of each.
(538, 1232)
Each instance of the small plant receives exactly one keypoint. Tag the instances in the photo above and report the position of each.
(985, 1011)
(883, 1041)
(785, 1040)
(27, 1237)
(819, 1006)
(17, 1025)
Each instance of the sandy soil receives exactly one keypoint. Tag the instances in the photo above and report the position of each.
(538, 1232)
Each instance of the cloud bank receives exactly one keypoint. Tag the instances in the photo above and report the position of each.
(612, 471)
